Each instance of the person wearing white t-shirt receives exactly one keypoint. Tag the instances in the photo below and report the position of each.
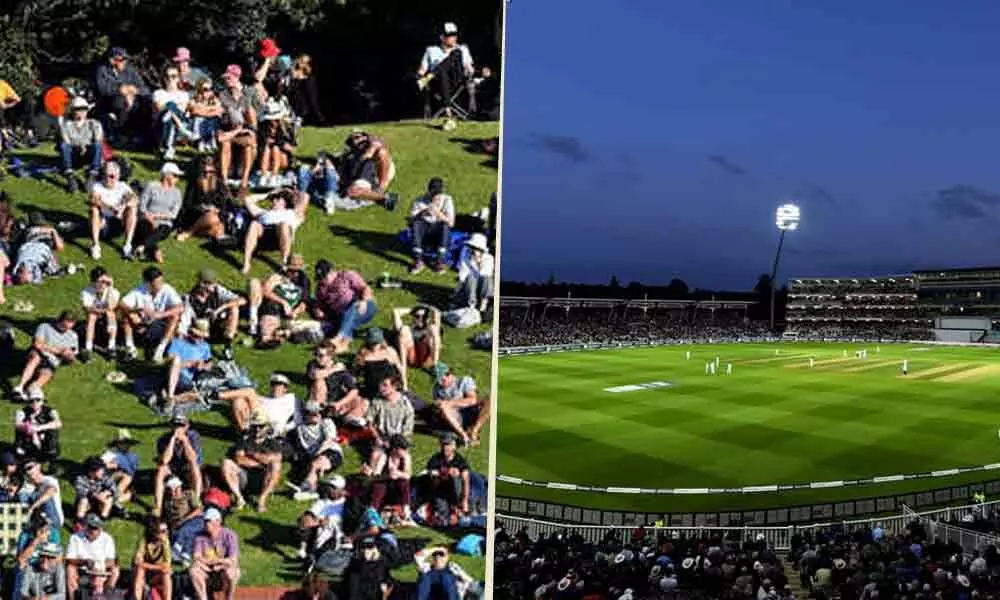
(281, 409)
(171, 104)
(475, 275)
(276, 224)
(46, 495)
(91, 552)
(100, 301)
(154, 308)
(112, 202)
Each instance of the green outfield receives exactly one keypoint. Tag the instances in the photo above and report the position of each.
(774, 420)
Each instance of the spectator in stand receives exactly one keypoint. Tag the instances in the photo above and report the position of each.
(388, 415)
(95, 491)
(211, 301)
(331, 384)
(80, 142)
(275, 225)
(457, 402)
(153, 309)
(321, 182)
(375, 361)
(431, 220)
(283, 295)
(55, 344)
(159, 207)
(36, 534)
(180, 504)
(446, 67)
(315, 450)
(302, 92)
(45, 578)
(189, 75)
(122, 464)
(448, 476)
(368, 576)
(170, 104)
(277, 141)
(436, 578)
(122, 93)
(420, 341)
(476, 274)
(91, 560)
(100, 303)
(36, 431)
(11, 480)
(36, 258)
(207, 205)
(113, 209)
(238, 126)
(344, 297)
(266, 70)
(280, 410)
(391, 477)
(259, 450)
(189, 356)
(206, 113)
(46, 496)
(180, 455)
(366, 171)
(216, 557)
(151, 564)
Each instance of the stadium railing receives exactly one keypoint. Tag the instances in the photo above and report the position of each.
(779, 538)
(13, 517)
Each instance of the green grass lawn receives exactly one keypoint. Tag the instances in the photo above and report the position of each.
(366, 240)
(773, 421)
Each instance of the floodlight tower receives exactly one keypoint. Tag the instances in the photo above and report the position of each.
(787, 219)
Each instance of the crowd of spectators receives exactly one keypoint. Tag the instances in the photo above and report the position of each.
(244, 188)
(861, 330)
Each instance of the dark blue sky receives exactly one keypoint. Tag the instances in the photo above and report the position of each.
(654, 138)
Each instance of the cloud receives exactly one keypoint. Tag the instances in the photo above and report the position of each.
(820, 195)
(964, 202)
(566, 146)
(726, 165)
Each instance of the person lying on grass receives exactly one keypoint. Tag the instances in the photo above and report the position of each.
(275, 225)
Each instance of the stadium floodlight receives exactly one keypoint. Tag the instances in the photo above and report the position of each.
(786, 218)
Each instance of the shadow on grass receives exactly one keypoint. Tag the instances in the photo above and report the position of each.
(376, 243)
(479, 146)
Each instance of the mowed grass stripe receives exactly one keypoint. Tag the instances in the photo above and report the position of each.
(970, 374)
(939, 370)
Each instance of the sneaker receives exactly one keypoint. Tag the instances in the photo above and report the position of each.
(130, 353)
(35, 394)
(71, 185)
(440, 267)
(127, 252)
(294, 486)
(449, 125)
(417, 267)
(305, 496)
(84, 356)
(227, 351)
(302, 552)
(18, 393)
(169, 154)
(158, 354)
(95, 252)
(330, 203)
(391, 199)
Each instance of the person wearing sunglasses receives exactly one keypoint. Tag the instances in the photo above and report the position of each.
(170, 104)
(100, 303)
(151, 564)
(122, 93)
(205, 109)
(114, 207)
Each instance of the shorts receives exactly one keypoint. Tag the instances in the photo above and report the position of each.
(112, 226)
(185, 381)
(336, 458)
(469, 415)
(421, 354)
(48, 363)
(271, 309)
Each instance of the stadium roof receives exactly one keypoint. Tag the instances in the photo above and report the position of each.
(955, 270)
(612, 302)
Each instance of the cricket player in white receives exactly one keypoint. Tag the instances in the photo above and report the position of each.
(906, 367)
(729, 368)
(708, 368)
(687, 355)
(844, 354)
(812, 362)
(712, 365)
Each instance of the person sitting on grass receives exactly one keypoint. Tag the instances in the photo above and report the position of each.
(238, 126)
(280, 410)
(343, 299)
(334, 387)
(152, 563)
(431, 221)
(36, 431)
(366, 170)
(420, 341)
(122, 464)
(216, 557)
(100, 303)
(180, 505)
(277, 141)
(327, 514)
(170, 103)
(389, 414)
(475, 276)
(448, 479)
(390, 477)
(36, 257)
(55, 344)
(46, 577)
(95, 491)
(320, 181)
(189, 356)
(91, 560)
(180, 455)
(46, 495)
(113, 208)
(275, 225)
(375, 361)
(153, 309)
(159, 207)
(81, 140)
(256, 449)
(122, 94)
(315, 450)
(283, 295)
(457, 403)
(207, 204)
(206, 111)
(36, 533)
(209, 300)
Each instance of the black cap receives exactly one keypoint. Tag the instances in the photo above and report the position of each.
(448, 438)
(323, 267)
(149, 274)
(7, 459)
(94, 463)
(435, 186)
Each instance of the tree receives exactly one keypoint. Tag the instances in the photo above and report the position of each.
(763, 287)
(677, 288)
(614, 283)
